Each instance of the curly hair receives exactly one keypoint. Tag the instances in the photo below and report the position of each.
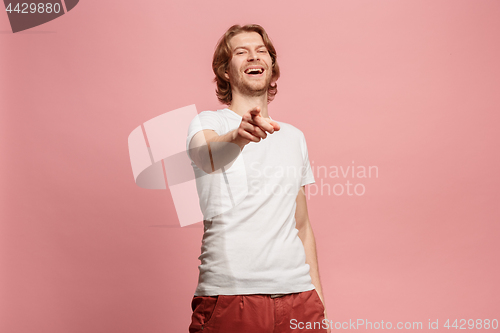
(223, 55)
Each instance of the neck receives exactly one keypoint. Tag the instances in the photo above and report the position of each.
(241, 104)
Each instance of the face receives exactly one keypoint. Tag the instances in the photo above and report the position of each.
(250, 69)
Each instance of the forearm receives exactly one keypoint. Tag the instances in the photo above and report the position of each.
(211, 152)
(229, 137)
(214, 151)
(306, 235)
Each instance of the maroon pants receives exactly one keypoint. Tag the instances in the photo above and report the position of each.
(298, 312)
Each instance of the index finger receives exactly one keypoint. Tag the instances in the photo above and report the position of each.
(263, 123)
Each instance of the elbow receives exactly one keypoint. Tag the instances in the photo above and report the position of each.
(201, 157)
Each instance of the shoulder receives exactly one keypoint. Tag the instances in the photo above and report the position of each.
(290, 129)
(209, 114)
(293, 135)
(206, 120)
(219, 115)
(207, 117)
(220, 121)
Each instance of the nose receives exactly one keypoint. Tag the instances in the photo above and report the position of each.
(253, 55)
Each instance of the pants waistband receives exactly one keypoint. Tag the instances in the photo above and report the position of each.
(270, 295)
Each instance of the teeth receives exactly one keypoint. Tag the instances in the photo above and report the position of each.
(258, 70)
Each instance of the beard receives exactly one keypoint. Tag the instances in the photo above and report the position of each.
(252, 88)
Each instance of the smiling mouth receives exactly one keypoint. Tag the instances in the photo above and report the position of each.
(254, 71)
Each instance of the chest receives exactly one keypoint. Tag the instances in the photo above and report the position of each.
(276, 159)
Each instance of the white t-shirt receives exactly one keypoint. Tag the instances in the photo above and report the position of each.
(250, 244)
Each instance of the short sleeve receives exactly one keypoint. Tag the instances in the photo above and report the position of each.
(307, 174)
(204, 120)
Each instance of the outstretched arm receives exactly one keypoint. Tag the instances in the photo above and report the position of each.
(211, 152)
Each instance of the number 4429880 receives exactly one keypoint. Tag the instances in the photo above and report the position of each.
(463, 324)
(31, 8)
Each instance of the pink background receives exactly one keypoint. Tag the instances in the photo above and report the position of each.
(408, 86)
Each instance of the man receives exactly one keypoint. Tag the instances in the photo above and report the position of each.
(259, 270)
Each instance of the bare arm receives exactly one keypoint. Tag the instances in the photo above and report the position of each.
(306, 235)
(210, 151)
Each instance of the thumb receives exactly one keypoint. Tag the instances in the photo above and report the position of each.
(255, 111)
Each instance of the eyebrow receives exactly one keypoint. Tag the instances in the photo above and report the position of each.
(244, 47)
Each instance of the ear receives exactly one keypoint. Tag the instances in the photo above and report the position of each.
(226, 75)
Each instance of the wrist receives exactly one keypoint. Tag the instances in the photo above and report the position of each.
(237, 139)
